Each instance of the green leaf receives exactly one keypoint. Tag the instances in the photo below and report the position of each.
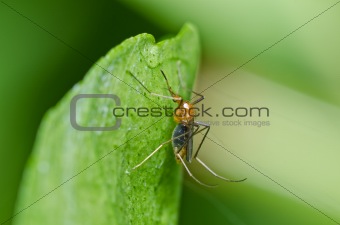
(85, 177)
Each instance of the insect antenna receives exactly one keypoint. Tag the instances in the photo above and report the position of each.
(173, 96)
(139, 81)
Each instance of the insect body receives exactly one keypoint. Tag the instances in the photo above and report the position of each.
(182, 136)
(180, 143)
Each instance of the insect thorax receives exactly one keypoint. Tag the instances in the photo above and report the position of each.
(184, 113)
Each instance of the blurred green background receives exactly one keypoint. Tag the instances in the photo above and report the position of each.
(298, 79)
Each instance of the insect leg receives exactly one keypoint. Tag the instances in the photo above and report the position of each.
(201, 97)
(207, 126)
(190, 174)
(159, 147)
(152, 153)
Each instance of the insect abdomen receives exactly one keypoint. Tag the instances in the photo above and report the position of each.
(182, 143)
(179, 142)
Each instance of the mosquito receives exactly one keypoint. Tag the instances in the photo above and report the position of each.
(186, 129)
